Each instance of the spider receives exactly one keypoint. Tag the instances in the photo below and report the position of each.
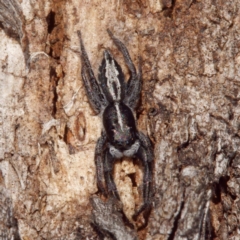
(115, 100)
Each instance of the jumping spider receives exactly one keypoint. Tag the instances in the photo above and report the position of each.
(115, 101)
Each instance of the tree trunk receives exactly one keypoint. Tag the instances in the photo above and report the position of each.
(189, 107)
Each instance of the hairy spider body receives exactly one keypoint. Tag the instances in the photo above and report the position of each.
(119, 124)
(116, 100)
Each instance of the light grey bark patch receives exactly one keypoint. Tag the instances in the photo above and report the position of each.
(11, 18)
(108, 219)
(13, 23)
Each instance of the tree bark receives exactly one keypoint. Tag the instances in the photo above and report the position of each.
(189, 107)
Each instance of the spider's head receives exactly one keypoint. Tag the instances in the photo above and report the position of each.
(119, 124)
(123, 137)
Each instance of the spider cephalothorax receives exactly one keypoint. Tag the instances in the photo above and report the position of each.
(116, 100)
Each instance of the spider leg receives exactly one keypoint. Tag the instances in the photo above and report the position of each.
(145, 154)
(134, 88)
(91, 85)
(108, 170)
(146, 143)
(99, 162)
(134, 84)
(125, 53)
(92, 97)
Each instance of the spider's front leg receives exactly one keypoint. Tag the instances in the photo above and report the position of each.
(108, 173)
(145, 154)
(99, 161)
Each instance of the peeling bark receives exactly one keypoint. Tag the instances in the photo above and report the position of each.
(191, 78)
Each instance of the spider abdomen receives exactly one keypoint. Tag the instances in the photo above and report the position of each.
(119, 124)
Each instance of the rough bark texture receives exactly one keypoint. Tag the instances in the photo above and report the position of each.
(189, 108)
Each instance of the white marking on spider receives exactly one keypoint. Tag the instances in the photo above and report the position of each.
(111, 75)
(119, 116)
(127, 153)
(115, 152)
(132, 150)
